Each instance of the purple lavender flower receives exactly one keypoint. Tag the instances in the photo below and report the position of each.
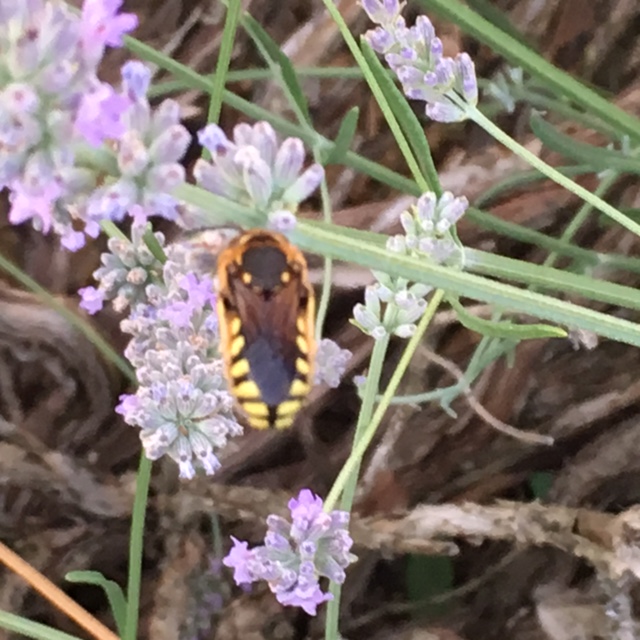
(297, 554)
(48, 76)
(393, 305)
(415, 54)
(127, 269)
(102, 25)
(253, 170)
(147, 153)
(182, 405)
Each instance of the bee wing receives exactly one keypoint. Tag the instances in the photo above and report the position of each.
(268, 325)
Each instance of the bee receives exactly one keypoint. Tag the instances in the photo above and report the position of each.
(266, 310)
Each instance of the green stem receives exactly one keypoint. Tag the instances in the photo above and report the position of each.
(493, 130)
(366, 410)
(581, 216)
(379, 96)
(136, 547)
(345, 483)
(327, 277)
(352, 464)
(234, 7)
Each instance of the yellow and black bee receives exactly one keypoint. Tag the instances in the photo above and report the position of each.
(266, 310)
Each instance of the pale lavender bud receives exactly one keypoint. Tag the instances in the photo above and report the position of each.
(372, 296)
(212, 179)
(468, 80)
(444, 112)
(305, 185)
(288, 162)
(404, 330)
(266, 142)
(167, 114)
(133, 157)
(136, 77)
(170, 145)
(366, 320)
(380, 40)
(213, 138)
(331, 363)
(282, 221)
(258, 179)
(382, 11)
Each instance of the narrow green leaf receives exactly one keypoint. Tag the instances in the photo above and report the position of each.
(504, 329)
(489, 264)
(598, 157)
(32, 629)
(327, 240)
(407, 119)
(273, 56)
(344, 138)
(112, 590)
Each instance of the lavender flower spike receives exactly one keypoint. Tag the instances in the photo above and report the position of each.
(49, 95)
(182, 405)
(253, 170)
(447, 85)
(296, 554)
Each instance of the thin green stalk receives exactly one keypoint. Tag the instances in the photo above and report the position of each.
(495, 131)
(379, 96)
(254, 75)
(581, 215)
(70, 316)
(136, 547)
(522, 178)
(234, 7)
(368, 424)
(368, 431)
(327, 277)
(366, 410)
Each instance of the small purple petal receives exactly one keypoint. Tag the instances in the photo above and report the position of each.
(237, 559)
(92, 301)
(99, 115)
(136, 77)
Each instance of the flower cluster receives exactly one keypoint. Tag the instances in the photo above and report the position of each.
(415, 54)
(331, 362)
(182, 404)
(127, 268)
(147, 153)
(252, 169)
(296, 554)
(48, 63)
(392, 305)
(429, 228)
